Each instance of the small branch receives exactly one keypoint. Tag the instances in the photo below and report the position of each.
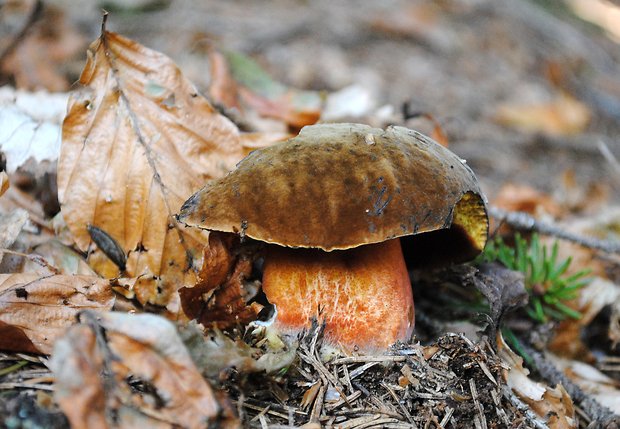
(525, 222)
(33, 17)
(603, 416)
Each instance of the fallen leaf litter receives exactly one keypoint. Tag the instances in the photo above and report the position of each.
(452, 382)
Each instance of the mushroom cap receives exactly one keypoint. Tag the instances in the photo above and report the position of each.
(340, 186)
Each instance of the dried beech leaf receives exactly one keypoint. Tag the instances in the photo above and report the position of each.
(562, 116)
(219, 298)
(61, 257)
(30, 127)
(4, 182)
(523, 198)
(35, 310)
(552, 404)
(260, 92)
(136, 368)
(137, 141)
(10, 226)
(39, 59)
(601, 387)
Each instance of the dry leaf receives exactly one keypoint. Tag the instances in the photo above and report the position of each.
(64, 259)
(137, 141)
(604, 389)
(259, 92)
(562, 116)
(30, 126)
(552, 404)
(35, 310)
(219, 299)
(523, 198)
(122, 370)
(4, 182)
(11, 225)
(420, 21)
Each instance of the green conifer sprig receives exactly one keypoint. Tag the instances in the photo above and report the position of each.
(546, 278)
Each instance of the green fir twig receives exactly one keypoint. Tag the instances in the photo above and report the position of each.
(546, 278)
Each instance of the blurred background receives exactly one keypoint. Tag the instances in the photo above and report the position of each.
(528, 92)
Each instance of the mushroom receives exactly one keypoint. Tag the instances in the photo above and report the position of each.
(333, 206)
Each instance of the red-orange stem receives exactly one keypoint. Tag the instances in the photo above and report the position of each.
(363, 294)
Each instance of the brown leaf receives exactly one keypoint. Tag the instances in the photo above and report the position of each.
(35, 310)
(137, 141)
(61, 257)
(562, 116)
(220, 297)
(4, 182)
(552, 404)
(523, 198)
(123, 370)
(239, 82)
(11, 225)
(603, 388)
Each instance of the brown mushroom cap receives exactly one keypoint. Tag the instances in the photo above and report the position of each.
(340, 186)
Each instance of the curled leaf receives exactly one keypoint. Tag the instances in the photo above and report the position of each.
(221, 294)
(126, 370)
(552, 404)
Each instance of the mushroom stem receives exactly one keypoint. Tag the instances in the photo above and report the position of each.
(364, 294)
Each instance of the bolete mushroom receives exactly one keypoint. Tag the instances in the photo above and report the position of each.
(333, 205)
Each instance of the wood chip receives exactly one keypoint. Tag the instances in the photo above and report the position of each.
(360, 359)
(361, 369)
(446, 418)
(486, 371)
(477, 404)
(310, 396)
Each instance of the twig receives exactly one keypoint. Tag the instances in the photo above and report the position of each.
(361, 369)
(477, 404)
(365, 410)
(261, 409)
(397, 400)
(9, 385)
(318, 406)
(358, 421)
(552, 375)
(37, 259)
(609, 156)
(360, 359)
(499, 409)
(446, 418)
(352, 397)
(261, 414)
(524, 221)
(33, 17)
